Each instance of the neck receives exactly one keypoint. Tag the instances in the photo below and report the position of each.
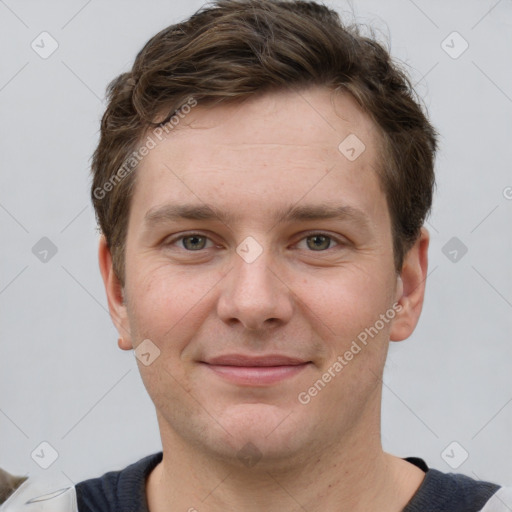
(353, 474)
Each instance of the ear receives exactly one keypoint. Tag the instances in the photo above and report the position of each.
(411, 288)
(115, 298)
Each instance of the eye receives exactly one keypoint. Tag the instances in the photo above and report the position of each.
(191, 242)
(195, 242)
(319, 241)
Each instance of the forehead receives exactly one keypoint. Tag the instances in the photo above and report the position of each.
(312, 118)
(277, 148)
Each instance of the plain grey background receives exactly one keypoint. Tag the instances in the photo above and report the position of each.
(63, 380)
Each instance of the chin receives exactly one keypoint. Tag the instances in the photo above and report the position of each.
(263, 431)
(267, 435)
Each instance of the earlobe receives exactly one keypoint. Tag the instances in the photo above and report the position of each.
(115, 298)
(123, 344)
(411, 288)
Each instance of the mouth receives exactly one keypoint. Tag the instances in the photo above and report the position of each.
(255, 371)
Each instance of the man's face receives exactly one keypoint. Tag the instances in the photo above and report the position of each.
(260, 282)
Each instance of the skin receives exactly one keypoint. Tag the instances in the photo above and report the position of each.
(254, 159)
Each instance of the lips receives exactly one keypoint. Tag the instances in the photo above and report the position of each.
(255, 371)
(248, 361)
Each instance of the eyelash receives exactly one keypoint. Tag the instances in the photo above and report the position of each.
(338, 241)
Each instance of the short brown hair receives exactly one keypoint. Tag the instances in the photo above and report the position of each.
(234, 49)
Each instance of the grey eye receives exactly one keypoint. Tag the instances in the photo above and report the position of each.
(197, 242)
(319, 242)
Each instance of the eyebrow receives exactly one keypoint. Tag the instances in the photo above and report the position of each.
(175, 212)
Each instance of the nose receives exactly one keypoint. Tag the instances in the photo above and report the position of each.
(255, 294)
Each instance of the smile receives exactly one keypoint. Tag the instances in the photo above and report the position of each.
(255, 371)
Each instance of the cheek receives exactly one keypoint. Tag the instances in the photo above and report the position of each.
(350, 306)
(168, 309)
(348, 301)
(165, 302)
